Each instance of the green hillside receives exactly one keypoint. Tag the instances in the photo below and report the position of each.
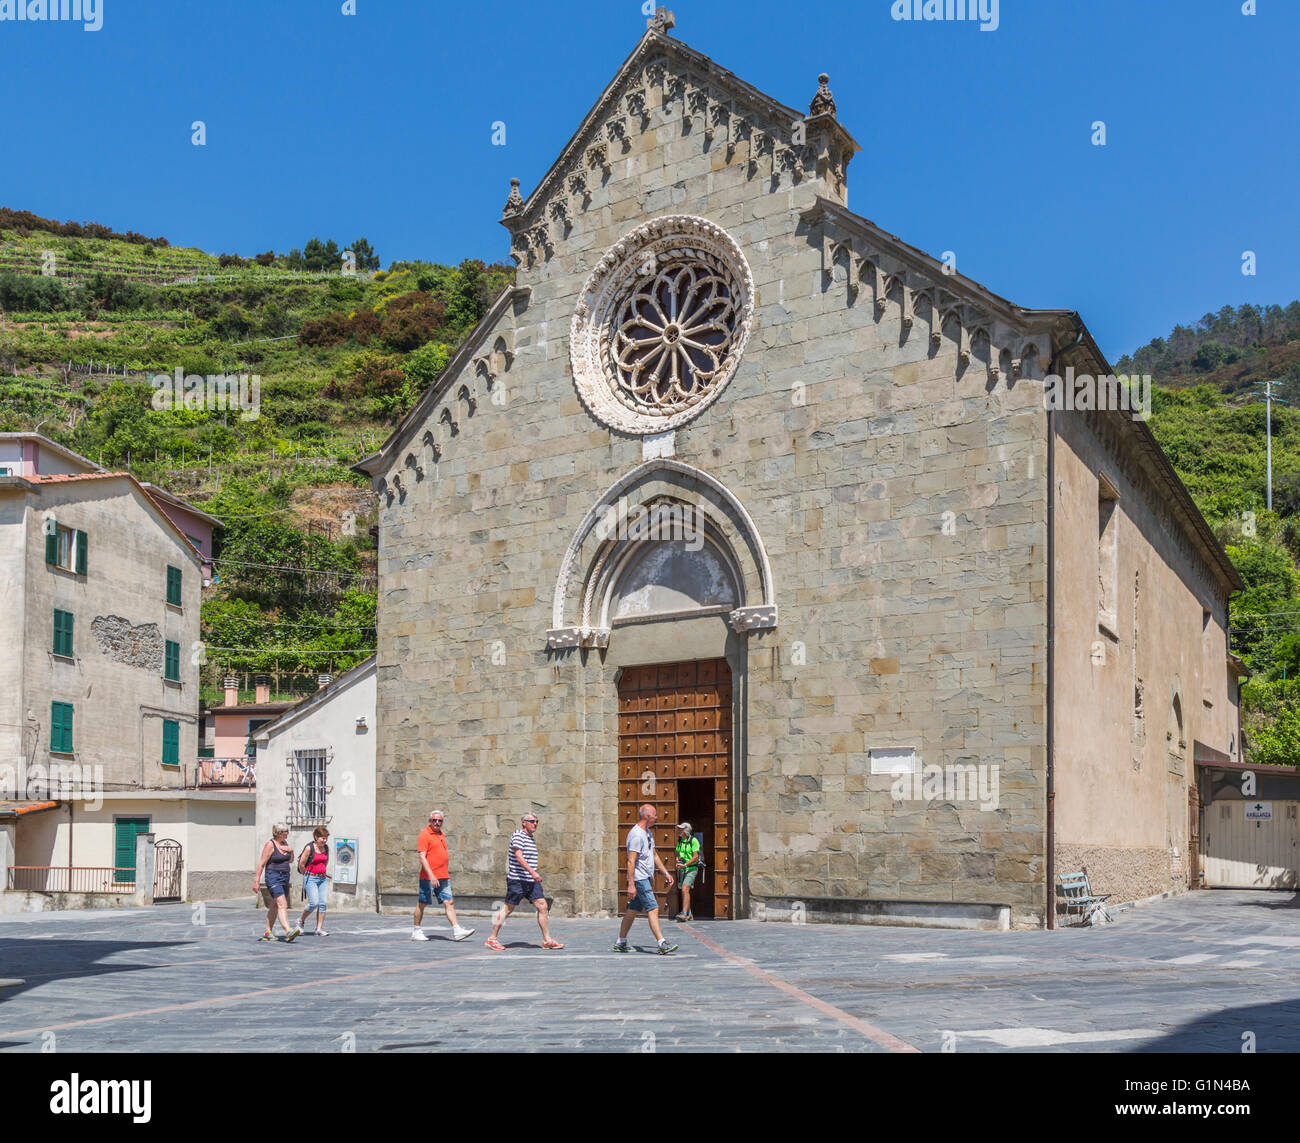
(88, 318)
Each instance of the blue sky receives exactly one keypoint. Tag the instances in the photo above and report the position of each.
(380, 124)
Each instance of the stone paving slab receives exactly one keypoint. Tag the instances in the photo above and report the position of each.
(1195, 973)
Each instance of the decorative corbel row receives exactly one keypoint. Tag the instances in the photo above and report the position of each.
(598, 159)
(428, 441)
(638, 106)
(463, 394)
(566, 638)
(697, 106)
(760, 618)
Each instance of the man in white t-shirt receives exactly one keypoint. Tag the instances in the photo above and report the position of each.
(641, 862)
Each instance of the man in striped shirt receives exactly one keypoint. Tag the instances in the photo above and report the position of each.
(523, 882)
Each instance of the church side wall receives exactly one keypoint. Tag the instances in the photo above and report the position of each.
(1134, 646)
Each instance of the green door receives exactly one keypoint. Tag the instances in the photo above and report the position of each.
(125, 831)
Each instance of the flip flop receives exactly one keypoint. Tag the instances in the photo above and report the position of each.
(495, 944)
(552, 945)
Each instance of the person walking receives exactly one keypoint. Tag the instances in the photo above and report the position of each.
(435, 878)
(688, 868)
(313, 863)
(276, 859)
(641, 862)
(523, 882)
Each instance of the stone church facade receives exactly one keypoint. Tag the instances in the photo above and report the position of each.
(737, 504)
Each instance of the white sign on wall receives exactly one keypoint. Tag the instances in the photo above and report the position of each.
(1259, 811)
(345, 861)
(894, 760)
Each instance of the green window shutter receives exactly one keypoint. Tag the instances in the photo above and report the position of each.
(172, 663)
(81, 553)
(63, 633)
(61, 727)
(174, 586)
(52, 544)
(171, 755)
(125, 831)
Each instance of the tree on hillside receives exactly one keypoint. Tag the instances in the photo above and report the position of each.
(365, 254)
(467, 301)
(313, 254)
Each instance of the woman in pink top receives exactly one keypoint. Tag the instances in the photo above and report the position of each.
(312, 863)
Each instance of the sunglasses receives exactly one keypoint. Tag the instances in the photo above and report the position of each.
(530, 821)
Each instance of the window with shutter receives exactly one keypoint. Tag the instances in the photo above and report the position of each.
(63, 633)
(61, 728)
(172, 663)
(171, 754)
(174, 586)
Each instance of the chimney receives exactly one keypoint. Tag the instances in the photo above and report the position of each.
(262, 685)
(322, 681)
(231, 683)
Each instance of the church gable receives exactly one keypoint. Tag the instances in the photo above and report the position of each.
(667, 95)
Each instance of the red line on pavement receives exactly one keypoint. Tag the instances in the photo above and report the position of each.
(249, 995)
(884, 1039)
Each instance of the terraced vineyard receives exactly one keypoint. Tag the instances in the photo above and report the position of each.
(88, 323)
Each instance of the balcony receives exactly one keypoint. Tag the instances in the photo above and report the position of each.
(227, 773)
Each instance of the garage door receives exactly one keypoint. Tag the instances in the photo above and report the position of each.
(1252, 845)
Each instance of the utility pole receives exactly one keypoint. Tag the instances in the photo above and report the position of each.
(1268, 434)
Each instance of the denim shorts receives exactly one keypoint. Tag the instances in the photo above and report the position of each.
(645, 900)
(517, 891)
(277, 884)
(428, 892)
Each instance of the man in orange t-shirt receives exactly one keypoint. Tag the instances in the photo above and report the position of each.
(435, 878)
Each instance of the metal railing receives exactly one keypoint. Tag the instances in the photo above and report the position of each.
(240, 771)
(70, 879)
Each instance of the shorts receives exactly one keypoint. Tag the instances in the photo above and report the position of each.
(428, 892)
(644, 901)
(276, 886)
(517, 891)
(688, 877)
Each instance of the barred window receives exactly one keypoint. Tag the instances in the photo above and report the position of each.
(307, 787)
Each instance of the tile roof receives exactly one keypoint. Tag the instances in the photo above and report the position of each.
(64, 477)
(12, 807)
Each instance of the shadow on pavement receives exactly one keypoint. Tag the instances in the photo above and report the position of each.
(1274, 1028)
(38, 962)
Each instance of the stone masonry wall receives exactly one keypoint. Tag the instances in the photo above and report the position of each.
(901, 496)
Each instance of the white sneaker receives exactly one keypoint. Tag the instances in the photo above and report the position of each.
(459, 933)
(418, 935)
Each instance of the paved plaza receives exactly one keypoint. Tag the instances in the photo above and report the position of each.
(1195, 973)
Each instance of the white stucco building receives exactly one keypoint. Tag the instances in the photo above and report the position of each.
(316, 767)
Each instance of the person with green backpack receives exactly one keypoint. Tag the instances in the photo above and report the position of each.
(688, 867)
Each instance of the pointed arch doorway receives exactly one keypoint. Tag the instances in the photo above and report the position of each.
(675, 752)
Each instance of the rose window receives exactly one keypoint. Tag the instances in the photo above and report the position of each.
(661, 325)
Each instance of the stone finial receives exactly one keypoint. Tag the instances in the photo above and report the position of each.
(661, 21)
(823, 102)
(515, 203)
